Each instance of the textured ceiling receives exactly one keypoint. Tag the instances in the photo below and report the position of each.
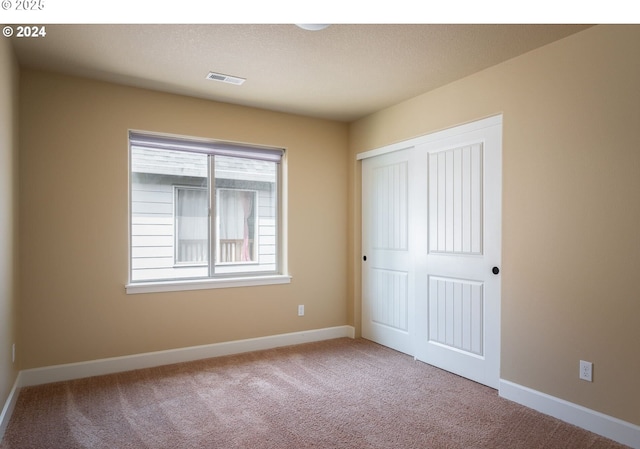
(342, 73)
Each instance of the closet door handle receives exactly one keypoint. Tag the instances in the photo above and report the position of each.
(364, 258)
(495, 270)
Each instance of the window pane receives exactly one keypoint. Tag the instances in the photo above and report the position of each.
(157, 178)
(246, 215)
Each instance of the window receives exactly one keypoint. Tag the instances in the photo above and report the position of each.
(202, 210)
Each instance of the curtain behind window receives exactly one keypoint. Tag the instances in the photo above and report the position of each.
(234, 210)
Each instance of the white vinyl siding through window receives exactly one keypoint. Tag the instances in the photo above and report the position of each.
(202, 210)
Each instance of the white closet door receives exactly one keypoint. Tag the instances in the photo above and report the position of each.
(387, 267)
(458, 310)
(432, 238)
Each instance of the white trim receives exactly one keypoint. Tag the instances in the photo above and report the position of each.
(202, 284)
(9, 405)
(591, 420)
(58, 373)
(433, 137)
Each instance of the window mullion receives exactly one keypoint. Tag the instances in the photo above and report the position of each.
(212, 215)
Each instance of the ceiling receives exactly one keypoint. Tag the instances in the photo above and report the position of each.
(343, 72)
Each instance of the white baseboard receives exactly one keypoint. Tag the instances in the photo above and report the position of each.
(596, 422)
(100, 367)
(9, 405)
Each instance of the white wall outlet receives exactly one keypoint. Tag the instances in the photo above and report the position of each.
(586, 371)
(301, 310)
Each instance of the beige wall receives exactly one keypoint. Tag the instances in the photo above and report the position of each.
(571, 208)
(74, 225)
(8, 215)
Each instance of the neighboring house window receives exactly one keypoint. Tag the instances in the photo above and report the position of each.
(191, 242)
(236, 235)
(202, 209)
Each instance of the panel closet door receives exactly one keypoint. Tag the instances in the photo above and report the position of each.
(458, 310)
(388, 268)
(431, 237)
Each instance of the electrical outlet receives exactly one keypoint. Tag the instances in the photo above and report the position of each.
(301, 310)
(586, 371)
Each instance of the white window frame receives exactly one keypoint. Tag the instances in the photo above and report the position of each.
(180, 143)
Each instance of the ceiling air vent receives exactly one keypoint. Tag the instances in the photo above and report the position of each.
(225, 78)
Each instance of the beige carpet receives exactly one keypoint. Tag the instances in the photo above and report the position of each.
(335, 394)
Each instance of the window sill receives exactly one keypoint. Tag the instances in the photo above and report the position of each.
(202, 284)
